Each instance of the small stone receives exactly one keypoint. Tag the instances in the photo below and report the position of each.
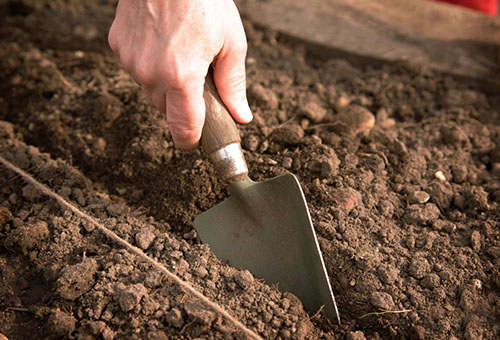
(174, 318)
(440, 176)
(196, 311)
(314, 111)
(291, 134)
(144, 238)
(419, 267)
(243, 278)
(342, 102)
(357, 335)
(419, 197)
(353, 120)
(475, 240)
(61, 324)
(431, 281)
(345, 199)
(382, 300)
(130, 296)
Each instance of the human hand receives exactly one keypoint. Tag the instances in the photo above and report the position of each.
(168, 45)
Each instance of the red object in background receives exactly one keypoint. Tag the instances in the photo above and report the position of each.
(487, 6)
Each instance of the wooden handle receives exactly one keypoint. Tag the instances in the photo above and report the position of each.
(219, 129)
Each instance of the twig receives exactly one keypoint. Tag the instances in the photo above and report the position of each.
(383, 311)
(18, 309)
(138, 252)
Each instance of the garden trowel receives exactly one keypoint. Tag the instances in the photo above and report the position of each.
(264, 227)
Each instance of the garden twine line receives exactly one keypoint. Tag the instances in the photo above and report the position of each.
(138, 252)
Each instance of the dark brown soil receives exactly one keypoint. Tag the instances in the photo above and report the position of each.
(400, 167)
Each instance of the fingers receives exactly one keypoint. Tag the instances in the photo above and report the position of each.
(185, 109)
(230, 80)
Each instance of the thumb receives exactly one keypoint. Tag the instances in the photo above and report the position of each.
(230, 80)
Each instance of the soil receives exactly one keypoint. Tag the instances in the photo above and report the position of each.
(400, 167)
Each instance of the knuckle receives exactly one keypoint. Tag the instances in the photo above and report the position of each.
(179, 75)
(145, 71)
(240, 47)
(185, 135)
(127, 60)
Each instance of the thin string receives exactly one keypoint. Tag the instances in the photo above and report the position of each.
(109, 233)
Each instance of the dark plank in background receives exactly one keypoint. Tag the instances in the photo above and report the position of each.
(444, 37)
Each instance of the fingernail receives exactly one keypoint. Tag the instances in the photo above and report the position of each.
(245, 112)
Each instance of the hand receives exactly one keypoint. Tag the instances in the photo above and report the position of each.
(168, 45)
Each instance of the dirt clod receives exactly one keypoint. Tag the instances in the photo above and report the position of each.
(129, 297)
(61, 324)
(75, 280)
(382, 300)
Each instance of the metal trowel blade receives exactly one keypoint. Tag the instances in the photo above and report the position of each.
(266, 227)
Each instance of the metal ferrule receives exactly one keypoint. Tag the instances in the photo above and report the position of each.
(230, 163)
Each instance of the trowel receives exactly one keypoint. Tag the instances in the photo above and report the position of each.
(264, 227)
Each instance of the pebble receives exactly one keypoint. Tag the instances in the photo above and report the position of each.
(475, 240)
(382, 300)
(342, 102)
(353, 120)
(345, 199)
(144, 238)
(419, 197)
(130, 296)
(440, 176)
